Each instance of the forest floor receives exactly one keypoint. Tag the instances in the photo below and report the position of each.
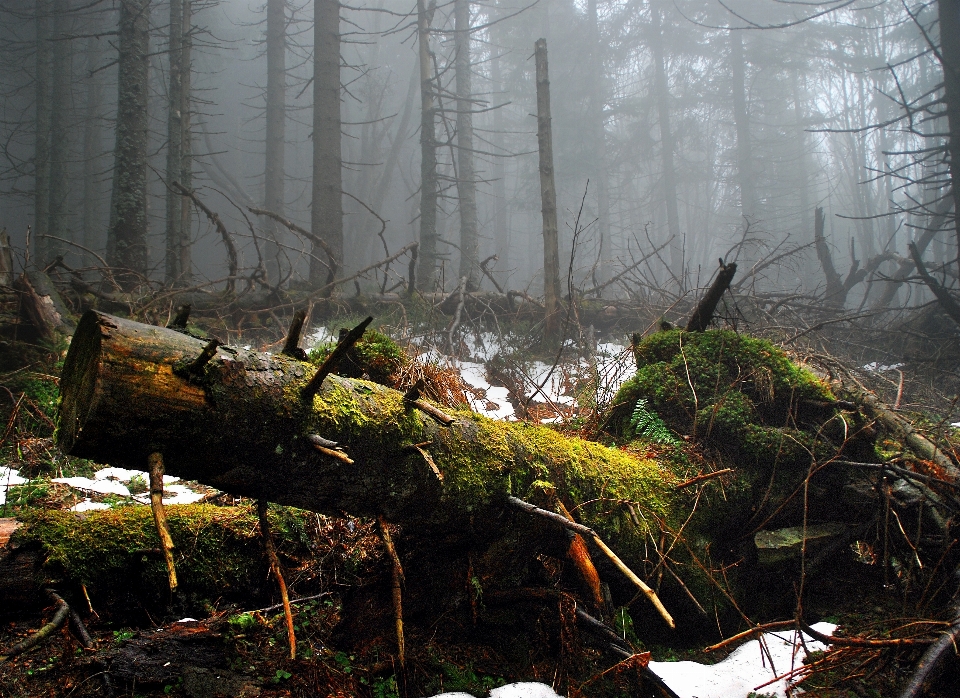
(236, 643)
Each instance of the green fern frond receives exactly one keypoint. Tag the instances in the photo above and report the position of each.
(647, 425)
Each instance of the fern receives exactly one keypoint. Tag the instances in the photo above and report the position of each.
(647, 425)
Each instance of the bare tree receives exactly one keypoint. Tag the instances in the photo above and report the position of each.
(466, 179)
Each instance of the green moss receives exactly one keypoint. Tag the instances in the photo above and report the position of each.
(218, 550)
(375, 355)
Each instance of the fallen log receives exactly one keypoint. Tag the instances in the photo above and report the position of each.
(242, 424)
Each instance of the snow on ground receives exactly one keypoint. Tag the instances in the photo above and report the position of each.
(116, 481)
(757, 667)
(9, 478)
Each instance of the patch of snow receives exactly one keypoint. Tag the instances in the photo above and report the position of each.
(748, 669)
(86, 484)
(877, 367)
(124, 475)
(87, 505)
(496, 404)
(512, 690)
(174, 494)
(9, 478)
(188, 619)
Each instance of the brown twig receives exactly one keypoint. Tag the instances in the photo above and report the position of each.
(397, 581)
(704, 476)
(277, 572)
(155, 464)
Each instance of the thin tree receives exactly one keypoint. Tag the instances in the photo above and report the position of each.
(427, 274)
(276, 115)
(466, 181)
(548, 197)
(127, 234)
(175, 99)
(326, 216)
(41, 197)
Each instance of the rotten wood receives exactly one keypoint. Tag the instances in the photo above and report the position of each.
(397, 580)
(291, 346)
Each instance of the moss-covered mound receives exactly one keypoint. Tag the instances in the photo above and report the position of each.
(115, 553)
(744, 399)
(375, 355)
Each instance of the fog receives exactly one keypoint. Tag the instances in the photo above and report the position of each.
(683, 132)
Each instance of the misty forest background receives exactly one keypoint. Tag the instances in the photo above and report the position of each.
(682, 132)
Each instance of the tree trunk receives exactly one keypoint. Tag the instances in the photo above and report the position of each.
(599, 147)
(59, 144)
(667, 147)
(92, 147)
(949, 15)
(186, 142)
(175, 201)
(326, 218)
(500, 222)
(466, 179)
(548, 197)
(41, 197)
(741, 117)
(273, 198)
(427, 275)
(129, 390)
(834, 290)
(127, 241)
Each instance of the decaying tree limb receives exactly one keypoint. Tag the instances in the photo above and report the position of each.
(277, 573)
(59, 618)
(291, 346)
(155, 466)
(232, 260)
(703, 314)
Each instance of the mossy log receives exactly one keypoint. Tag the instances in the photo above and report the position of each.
(239, 423)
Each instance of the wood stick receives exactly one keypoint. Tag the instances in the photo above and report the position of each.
(552, 515)
(397, 591)
(155, 466)
(333, 453)
(277, 572)
(318, 440)
(330, 364)
(862, 641)
(435, 412)
(179, 321)
(776, 625)
(59, 618)
(209, 351)
(647, 591)
(704, 476)
(291, 347)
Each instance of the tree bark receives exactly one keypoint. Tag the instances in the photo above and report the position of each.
(599, 155)
(548, 197)
(127, 241)
(466, 179)
(186, 142)
(273, 185)
(326, 217)
(427, 275)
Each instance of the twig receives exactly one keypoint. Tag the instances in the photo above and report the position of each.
(277, 572)
(552, 515)
(155, 465)
(704, 476)
(291, 346)
(397, 580)
(214, 218)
